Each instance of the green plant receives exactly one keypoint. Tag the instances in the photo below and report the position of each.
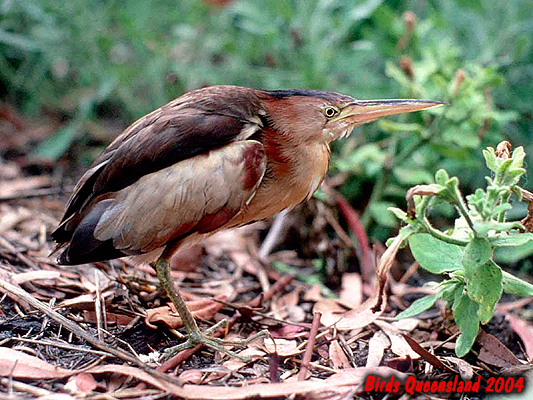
(407, 150)
(474, 282)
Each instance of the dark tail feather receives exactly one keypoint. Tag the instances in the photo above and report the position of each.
(83, 246)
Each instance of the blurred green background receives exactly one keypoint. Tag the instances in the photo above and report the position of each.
(87, 69)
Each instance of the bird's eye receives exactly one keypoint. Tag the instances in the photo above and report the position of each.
(330, 111)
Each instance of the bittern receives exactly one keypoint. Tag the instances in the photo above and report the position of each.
(215, 158)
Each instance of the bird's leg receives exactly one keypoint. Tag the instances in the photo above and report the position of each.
(194, 335)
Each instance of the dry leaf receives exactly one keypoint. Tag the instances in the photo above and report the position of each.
(202, 309)
(351, 294)
(34, 275)
(524, 330)
(466, 372)
(288, 332)
(284, 347)
(191, 376)
(399, 345)
(337, 356)
(426, 355)
(81, 383)
(334, 314)
(376, 348)
(348, 381)
(20, 365)
(494, 352)
(234, 364)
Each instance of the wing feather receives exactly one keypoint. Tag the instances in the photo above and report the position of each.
(191, 125)
(194, 196)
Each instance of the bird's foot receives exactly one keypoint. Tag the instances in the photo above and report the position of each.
(198, 337)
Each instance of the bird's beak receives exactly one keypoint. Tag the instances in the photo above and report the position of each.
(362, 111)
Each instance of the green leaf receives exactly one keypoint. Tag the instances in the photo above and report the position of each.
(463, 135)
(485, 288)
(512, 239)
(514, 285)
(491, 160)
(379, 210)
(513, 254)
(476, 253)
(467, 319)
(398, 213)
(419, 306)
(435, 255)
(441, 177)
(518, 158)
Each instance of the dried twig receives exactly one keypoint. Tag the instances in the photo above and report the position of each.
(274, 234)
(309, 349)
(28, 194)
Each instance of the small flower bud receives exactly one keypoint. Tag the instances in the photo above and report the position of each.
(503, 150)
(406, 65)
(409, 20)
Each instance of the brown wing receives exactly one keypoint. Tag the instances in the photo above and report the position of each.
(196, 195)
(191, 125)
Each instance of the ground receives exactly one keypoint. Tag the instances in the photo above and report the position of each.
(100, 330)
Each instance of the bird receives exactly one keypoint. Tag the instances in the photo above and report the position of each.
(215, 158)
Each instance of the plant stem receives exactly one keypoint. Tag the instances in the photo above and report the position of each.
(504, 200)
(461, 207)
(441, 236)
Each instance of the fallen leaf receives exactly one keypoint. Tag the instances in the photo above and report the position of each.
(403, 364)
(191, 376)
(426, 355)
(351, 294)
(524, 330)
(288, 332)
(359, 317)
(34, 275)
(376, 348)
(253, 352)
(348, 381)
(119, 319)
(337, 356)
(81, 383)
(466, 371)
(399, 345)
(202, 309)
(494, 352)
(21, 365)
(283, 347)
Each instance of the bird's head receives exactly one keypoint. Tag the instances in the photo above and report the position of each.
(326, 116)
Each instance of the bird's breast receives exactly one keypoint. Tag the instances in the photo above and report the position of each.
(294, 173)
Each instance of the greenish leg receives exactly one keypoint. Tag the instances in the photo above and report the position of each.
(195, 336)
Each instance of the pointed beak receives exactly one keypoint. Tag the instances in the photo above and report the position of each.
(362, 111)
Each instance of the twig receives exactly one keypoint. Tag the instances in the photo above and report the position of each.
(24, 387)
(78, 331)
(28, 194)
(98, 305)
(309, 349)
(358, 229)
(273, 236)
(61, 346)
(273, 367)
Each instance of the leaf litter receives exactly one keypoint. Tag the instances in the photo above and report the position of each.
(122, 307)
